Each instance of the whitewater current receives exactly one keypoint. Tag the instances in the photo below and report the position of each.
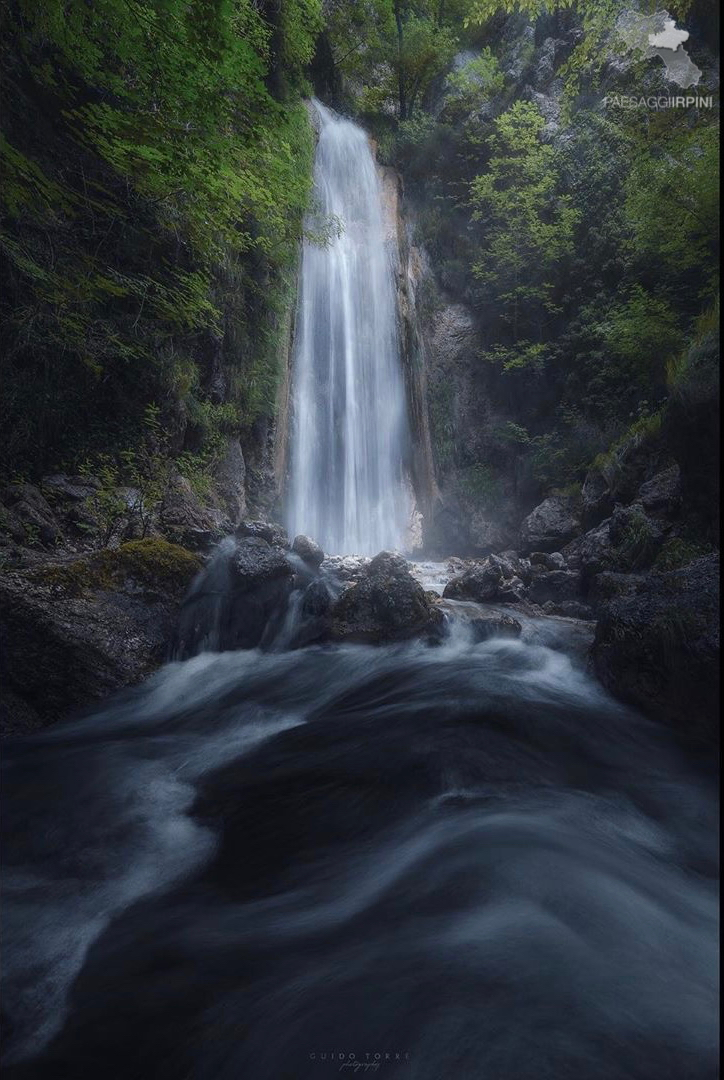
(467, 855)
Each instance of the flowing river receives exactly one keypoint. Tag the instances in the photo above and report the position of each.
(256, 865)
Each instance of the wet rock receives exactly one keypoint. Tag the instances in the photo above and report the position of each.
(570, 609)
(385, 604)
(74, 631)
(344, 567)
(265, 530)
(486, 625)
(260, 582)
(318, 598)
(255, 561)
(551, 525)
(524, 569)
(308, 551)
(555, 585)
(512, 591)
(506, 567)
(657, 647)
(480, 582)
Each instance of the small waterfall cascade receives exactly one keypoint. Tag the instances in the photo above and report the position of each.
(347, 485)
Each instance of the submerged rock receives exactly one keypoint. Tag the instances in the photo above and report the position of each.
(483, 624)
(657, 646)
(72, 632)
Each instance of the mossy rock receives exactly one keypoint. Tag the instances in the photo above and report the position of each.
(153, 564)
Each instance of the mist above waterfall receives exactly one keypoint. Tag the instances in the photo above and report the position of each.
(349, 426)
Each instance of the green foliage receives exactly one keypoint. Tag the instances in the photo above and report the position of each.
(637, 545)
(672, 201)
(528, 225)
(396, 47)
(678, 552)
(157, 164)
(644, 329)
(475, 82)
(479, 482)
(131, 485)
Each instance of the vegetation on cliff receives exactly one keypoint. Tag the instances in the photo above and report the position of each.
(157, 161)
(582, 236)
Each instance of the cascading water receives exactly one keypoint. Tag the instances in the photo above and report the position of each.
(347, 443)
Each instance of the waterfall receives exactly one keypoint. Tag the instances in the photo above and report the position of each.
(348, 490)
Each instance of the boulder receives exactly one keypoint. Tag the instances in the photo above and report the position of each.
(548, 560)
(480, 582)
(344, 567)
(241, 599)
(385, 604)
(261, 584)
(661, 495)
(74, 631)
(555, 585)
(551, 525)
(512, 591)
(657, 647)
(591, 553)
(308, 551)
(506, 567)
(255, 561)
(274, 534)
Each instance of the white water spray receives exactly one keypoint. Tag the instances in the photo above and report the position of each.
(348, 488)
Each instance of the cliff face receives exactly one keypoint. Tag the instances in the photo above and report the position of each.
(449, 413)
